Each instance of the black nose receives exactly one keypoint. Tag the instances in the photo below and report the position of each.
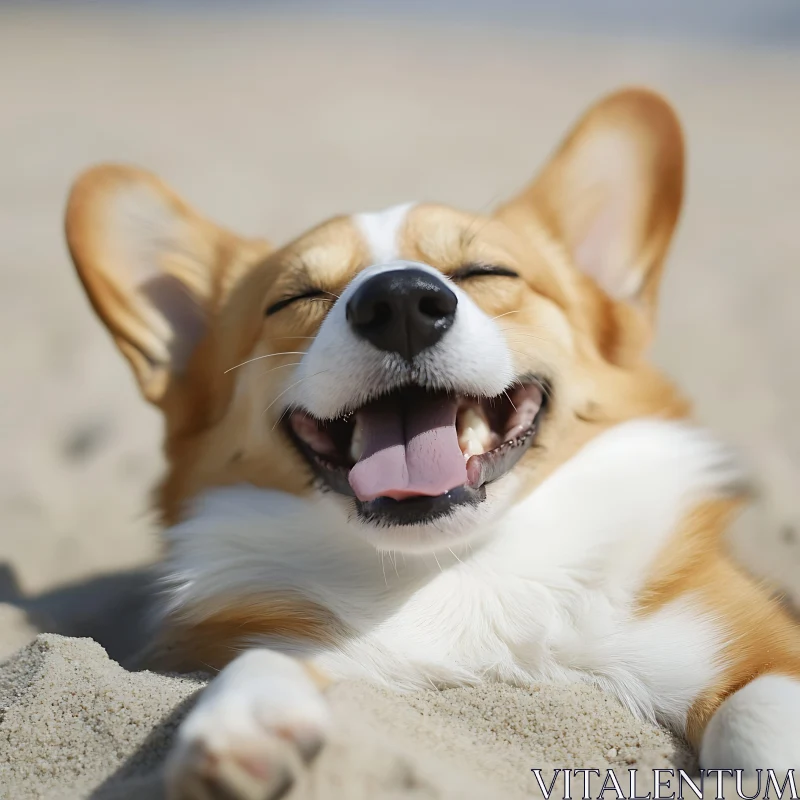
(402, 310)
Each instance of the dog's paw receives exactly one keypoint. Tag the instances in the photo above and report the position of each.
(249, 739)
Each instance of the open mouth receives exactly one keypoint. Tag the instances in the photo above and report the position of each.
(413, 455)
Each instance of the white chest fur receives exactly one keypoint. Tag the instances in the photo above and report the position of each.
(546, 594)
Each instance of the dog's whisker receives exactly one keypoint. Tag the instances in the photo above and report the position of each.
(531, 326)
(268, 355)
(526, 335)
(470, 235)
(281, 417)
(506, 314)
(454, 555)
(280, 366)
(383, 568)
(510, 400)
(289, 388)
(537, 325)
(543, 388)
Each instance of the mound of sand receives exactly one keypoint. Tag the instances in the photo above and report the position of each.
(73, 723)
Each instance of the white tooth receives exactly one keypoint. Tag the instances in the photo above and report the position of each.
(472, 447)
(357, 441)
(474, 435)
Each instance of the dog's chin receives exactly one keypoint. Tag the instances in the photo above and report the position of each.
(428, 524)
(421, 510)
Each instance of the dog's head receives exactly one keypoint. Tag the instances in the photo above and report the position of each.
(425, 367)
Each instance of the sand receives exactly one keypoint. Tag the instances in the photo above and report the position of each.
(73, 723)
(269, 123)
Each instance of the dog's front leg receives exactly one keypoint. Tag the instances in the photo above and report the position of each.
(261, 719)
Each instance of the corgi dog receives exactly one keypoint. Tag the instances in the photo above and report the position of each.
(421, 446)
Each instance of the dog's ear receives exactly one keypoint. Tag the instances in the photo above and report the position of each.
(152, 268)
(612, 193)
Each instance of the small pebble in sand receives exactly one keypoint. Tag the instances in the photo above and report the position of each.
(612, 753)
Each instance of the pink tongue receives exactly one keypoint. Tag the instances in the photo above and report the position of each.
(409, 451)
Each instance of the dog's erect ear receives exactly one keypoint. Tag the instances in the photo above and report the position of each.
(612, 194)
(152, 268)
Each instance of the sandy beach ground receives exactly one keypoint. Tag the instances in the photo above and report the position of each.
(272, 120)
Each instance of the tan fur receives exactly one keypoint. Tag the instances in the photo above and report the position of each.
(208, 639)
(587, 327)
(761, 637)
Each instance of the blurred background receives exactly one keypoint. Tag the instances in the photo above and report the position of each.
(270, 116)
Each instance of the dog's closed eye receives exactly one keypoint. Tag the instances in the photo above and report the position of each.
(480, 270)
(287, 301)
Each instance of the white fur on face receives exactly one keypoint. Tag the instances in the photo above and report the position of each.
(381, 231)
(341, 371)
